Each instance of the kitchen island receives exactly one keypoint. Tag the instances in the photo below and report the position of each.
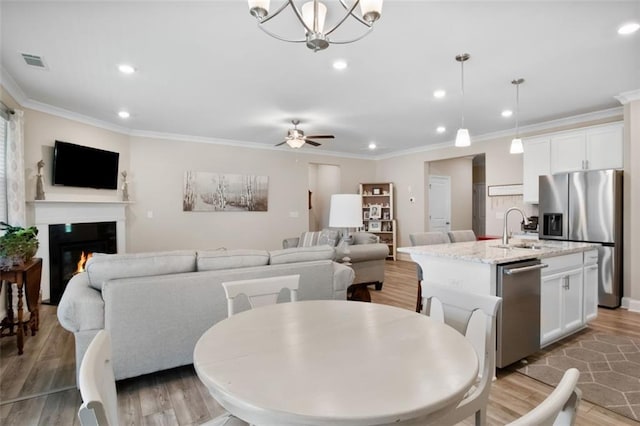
(567, 293)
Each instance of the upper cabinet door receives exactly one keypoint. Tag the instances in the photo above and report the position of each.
(535, 162)
(604, 147)
(568, 152)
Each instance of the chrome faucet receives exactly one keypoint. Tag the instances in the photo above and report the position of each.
(505, 235)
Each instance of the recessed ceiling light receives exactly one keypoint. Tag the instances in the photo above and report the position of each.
(372, 145)
(441, 129)
(126, 69)
(439, 93)
(629, 28)
(124, 114)
(507, 113)
(340, 65)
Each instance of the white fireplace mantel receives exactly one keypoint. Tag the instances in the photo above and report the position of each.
(44, 213)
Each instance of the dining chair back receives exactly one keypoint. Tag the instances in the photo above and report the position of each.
(425, 239)
(559, 408)
(462, 236)
(260, 291)
(98, 384)
(474, 316)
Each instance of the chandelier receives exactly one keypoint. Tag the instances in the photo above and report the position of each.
(312, 18)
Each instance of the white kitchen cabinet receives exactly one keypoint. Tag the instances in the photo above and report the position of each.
(561, 297)
(590, 148)
(535, 162)
(590, 271)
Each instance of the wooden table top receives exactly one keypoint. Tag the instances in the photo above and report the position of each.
(334, 363)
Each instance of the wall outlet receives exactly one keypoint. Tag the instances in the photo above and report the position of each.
(412, 200)
(149, 214)
(294, 214)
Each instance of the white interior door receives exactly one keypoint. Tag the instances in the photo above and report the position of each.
(479, 207)
(439, 203)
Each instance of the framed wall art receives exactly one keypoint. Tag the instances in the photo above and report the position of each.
(221, 192)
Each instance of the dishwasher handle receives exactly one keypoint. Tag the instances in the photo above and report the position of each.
(525, 269)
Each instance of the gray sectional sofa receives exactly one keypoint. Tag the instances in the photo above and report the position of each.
(157, 305)
(364, 250)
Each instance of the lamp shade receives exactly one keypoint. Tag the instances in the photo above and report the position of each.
(308, 15)
(516, 146)
(462, 138)
(346, 211)
(295, 142)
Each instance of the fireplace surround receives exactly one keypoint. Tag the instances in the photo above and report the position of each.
(46, 212)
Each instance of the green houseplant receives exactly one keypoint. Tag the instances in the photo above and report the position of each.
(18, 245)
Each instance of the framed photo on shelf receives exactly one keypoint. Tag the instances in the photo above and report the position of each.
(375, 211)
(377, 191)
(375, 226)
(386, 215)
(366, 215)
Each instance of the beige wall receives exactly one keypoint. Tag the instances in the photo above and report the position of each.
(631, 217)
(460, 170)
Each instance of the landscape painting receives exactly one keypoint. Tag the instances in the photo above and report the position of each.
(218, 192)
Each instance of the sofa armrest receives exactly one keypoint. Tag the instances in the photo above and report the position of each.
(81, 306)
(363, 252)
(343, 277)
(290, 242)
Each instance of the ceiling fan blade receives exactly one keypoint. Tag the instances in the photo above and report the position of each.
(312, 143)
(321, 136)
(281, 143)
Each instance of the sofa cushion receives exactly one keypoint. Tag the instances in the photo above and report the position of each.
(104, 267)
(302, 254)
(309, 239)
(231, 259)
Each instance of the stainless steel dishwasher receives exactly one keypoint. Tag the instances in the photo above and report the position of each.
(518, 325)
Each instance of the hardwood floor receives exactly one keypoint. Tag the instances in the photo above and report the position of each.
(38, 388)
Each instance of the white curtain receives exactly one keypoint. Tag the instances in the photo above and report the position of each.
(15, 189)
(3, 171)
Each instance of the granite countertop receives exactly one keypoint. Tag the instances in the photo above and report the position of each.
(489, 252)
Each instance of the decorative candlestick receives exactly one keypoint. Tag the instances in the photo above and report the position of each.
(125, 186)
(40, 181)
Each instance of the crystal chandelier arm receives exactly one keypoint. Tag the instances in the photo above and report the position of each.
(350, 12)
(274, 14)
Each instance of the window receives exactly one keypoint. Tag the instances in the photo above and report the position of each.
(3, 170)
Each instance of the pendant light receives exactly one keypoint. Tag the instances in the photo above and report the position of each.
(462, 137)
(516, 143)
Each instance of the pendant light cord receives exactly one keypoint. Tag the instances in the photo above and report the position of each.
(517, 109)
(462, 85)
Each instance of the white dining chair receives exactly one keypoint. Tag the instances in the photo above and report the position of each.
(474, 316)
(260, 291)
(98, 384)
(462, 236)
(559, 408)
(425, 239)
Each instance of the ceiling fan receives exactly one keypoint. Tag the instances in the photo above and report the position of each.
(296, 138)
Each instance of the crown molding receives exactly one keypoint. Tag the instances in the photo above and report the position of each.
(10, 85)
(627, 97)
(616, 112)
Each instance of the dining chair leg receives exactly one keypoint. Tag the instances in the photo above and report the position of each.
(419, 298)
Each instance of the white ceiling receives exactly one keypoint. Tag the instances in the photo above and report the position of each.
(207, 71)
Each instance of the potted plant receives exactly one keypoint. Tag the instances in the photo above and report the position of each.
(18, 245)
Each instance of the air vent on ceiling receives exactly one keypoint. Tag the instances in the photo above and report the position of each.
(34, 60)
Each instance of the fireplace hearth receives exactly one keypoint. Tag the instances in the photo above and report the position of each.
(68, 243)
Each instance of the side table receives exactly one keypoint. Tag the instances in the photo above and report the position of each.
(26, 277)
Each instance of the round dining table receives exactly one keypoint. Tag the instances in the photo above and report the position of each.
(331, 362)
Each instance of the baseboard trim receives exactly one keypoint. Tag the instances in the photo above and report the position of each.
(633, 305)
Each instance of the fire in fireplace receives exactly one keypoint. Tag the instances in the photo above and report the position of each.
(71, 245)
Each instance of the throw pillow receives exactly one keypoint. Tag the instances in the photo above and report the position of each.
(329, 236)
(309, 239)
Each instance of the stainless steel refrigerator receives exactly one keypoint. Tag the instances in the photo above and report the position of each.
(587, 207)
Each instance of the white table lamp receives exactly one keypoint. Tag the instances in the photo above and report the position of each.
(346, 211)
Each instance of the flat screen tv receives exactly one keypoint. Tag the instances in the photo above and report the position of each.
(82, 166)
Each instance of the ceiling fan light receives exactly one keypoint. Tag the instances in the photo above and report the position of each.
(295, 142)
(516, 146)
(259, 8)
(308, 16)
(462, 138)
(371, 10)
